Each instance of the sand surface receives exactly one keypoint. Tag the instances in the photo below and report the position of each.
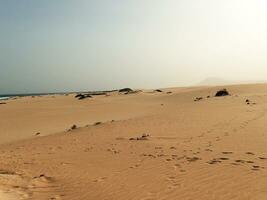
(212, 149)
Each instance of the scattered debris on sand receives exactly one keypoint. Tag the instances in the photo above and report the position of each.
(143, 137)
(221, 93)
(2, 103)
(198, 98)
(248, 102)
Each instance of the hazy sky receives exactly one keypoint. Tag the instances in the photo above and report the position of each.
(59, 45)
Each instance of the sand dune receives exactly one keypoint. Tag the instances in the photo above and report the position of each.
(214, 148)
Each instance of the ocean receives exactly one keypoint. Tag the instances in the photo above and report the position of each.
(7, 96)
(4, 98)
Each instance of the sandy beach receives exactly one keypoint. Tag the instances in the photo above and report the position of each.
(149, 145)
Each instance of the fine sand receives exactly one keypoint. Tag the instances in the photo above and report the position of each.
(148, 146)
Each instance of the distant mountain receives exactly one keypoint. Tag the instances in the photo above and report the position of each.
(213, 81)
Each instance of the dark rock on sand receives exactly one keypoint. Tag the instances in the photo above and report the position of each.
(73, 127)
(157, 90)
(143, 137)
(221, 93)
(97, 123)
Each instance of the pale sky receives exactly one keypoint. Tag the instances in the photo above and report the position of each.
(66, 45)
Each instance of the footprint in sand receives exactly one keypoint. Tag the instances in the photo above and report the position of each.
(250, 153)
(256, 168)
(209, 150)
(224, 158)
(56, 197)
(173, 183)
(209, 144)
(101, 179)
(262, 158)
(235, 164)
(214, 161)
(88, 149)
(161, 155)
(240, 161)
(170, 178)
(192, 159)
(227, 152)
(177, 165)
(135, 166)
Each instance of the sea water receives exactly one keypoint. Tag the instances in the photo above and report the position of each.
(4, 98)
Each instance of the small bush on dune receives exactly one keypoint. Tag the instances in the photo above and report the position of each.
(221, 93)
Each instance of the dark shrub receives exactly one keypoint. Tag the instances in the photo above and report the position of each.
(221, 93)
(78, 95)
(126, 90)
(83, 96)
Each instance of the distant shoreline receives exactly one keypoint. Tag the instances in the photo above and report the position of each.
(4, 98)
(52, 93)
(8, 96)
(28, 94)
